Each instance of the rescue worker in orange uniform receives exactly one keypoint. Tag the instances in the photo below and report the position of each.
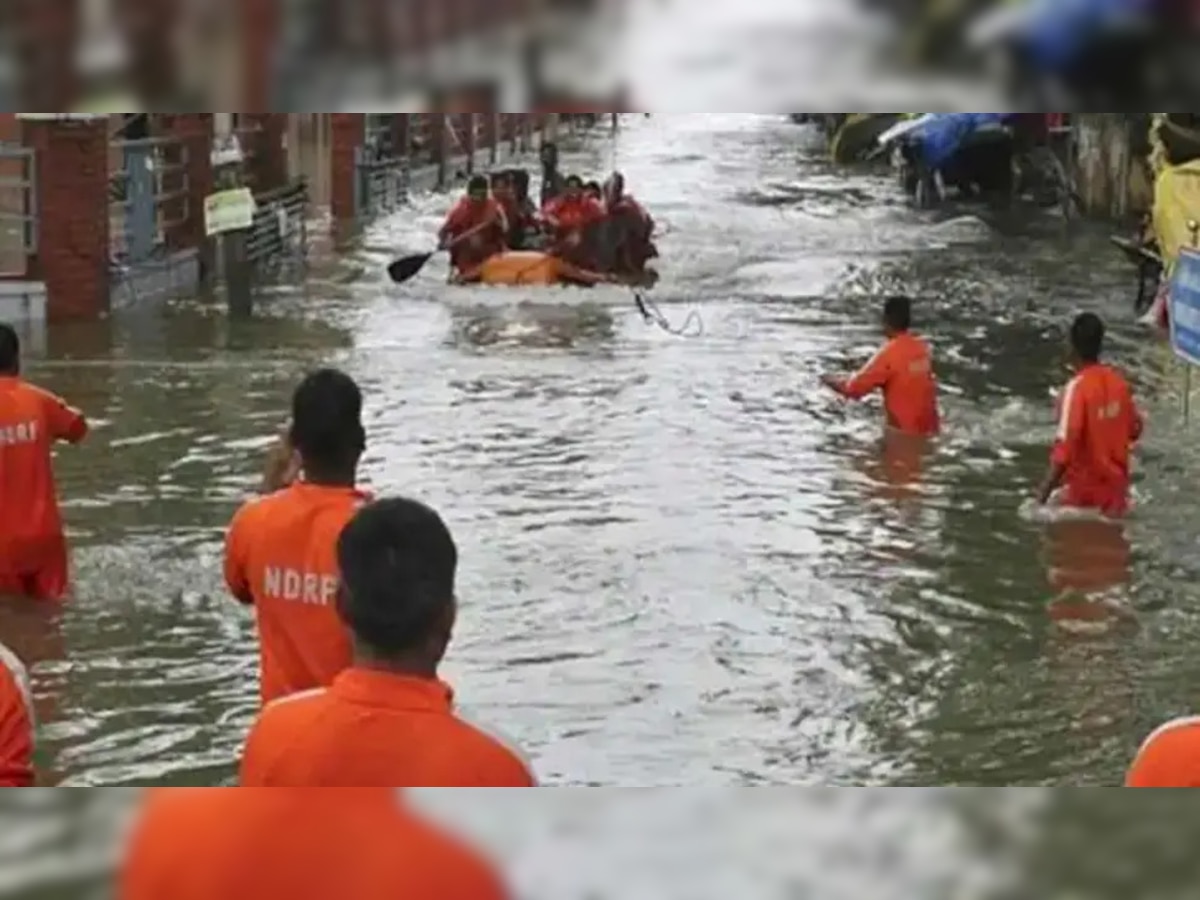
(231, 843)
(16, 723)
(903, 370)
(1098, 424)
(33, 548)
(1169, 757)
(475, 228)
(280, 554)
(388, 720)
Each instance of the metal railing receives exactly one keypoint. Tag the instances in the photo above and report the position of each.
(18, 208)
(148, 196)
(382, 181)
(278, 240)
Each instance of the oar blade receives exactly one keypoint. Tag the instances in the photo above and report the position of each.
(406, 267)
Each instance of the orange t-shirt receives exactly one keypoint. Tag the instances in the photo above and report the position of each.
(31, 421)
(231, 843)
(903, 370)
(1170, 757)
(375, 729)
(1098, 424)
(16, 723)
(281, 556)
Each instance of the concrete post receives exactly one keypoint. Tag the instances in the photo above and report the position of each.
(348, 133)
(72, 255)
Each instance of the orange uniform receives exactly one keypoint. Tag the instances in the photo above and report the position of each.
(375, 729)
(1170, 757)
(903, 370)
(281, 556)
(229, 843)
(1097, 428)
(468, 214)
(33, 549)
(16, 723)
(567, 214)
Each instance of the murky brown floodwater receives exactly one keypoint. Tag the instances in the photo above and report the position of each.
(683, 562)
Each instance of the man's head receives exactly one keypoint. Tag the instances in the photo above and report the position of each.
(573, 187)
(615, 187)
(592, 189)
(502, 185)
(897, 315)
(548, 155)
(477, 188)
(10, 350)
(326, 428)
(1087, 338)
(397, 562)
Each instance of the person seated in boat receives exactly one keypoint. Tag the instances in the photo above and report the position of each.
(634, 234)
(567, 216)
(543, 269)
(476, 227)
(504, 192)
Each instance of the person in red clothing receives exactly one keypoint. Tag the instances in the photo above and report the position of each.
(476, 227)
(567, 215)
(903, 370)
(635, 235)
(33, 548)
(1098, 424)
(388, 720)
(237, 844)
(16, 723)
(280, 550)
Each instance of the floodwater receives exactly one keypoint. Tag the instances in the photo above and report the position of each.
(683, 562)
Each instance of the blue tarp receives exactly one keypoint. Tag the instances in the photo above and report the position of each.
(1057, 31)
(941, 135)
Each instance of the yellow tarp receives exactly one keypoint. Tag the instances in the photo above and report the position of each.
(1176, 208)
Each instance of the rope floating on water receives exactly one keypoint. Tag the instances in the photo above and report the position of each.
(692, 327)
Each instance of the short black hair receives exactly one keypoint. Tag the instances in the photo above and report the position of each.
(593, 186)
(327, 427)
(573, 181)
(1087, 336)
(397, 563)
(477, 183)
(10, 348)
(897, 313)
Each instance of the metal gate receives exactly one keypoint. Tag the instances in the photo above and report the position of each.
(148, 196)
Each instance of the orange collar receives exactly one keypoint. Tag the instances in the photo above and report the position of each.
(372, 687)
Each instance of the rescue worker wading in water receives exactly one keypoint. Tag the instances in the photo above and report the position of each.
(635, 227)
(903, 370)
(475, 229)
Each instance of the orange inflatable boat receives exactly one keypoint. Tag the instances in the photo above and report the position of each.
(522, 267)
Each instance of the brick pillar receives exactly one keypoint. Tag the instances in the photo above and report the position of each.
(348, 132)
(72, 207)
(194, 131)
(266, 153)
(45, 52)
(261, 34)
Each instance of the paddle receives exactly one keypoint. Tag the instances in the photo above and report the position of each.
(407, 266)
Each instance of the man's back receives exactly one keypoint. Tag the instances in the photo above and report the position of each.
(903, 370)
(373, 729)
(1098, 425)
(31, 421)
(280, 555)
(229, 843)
